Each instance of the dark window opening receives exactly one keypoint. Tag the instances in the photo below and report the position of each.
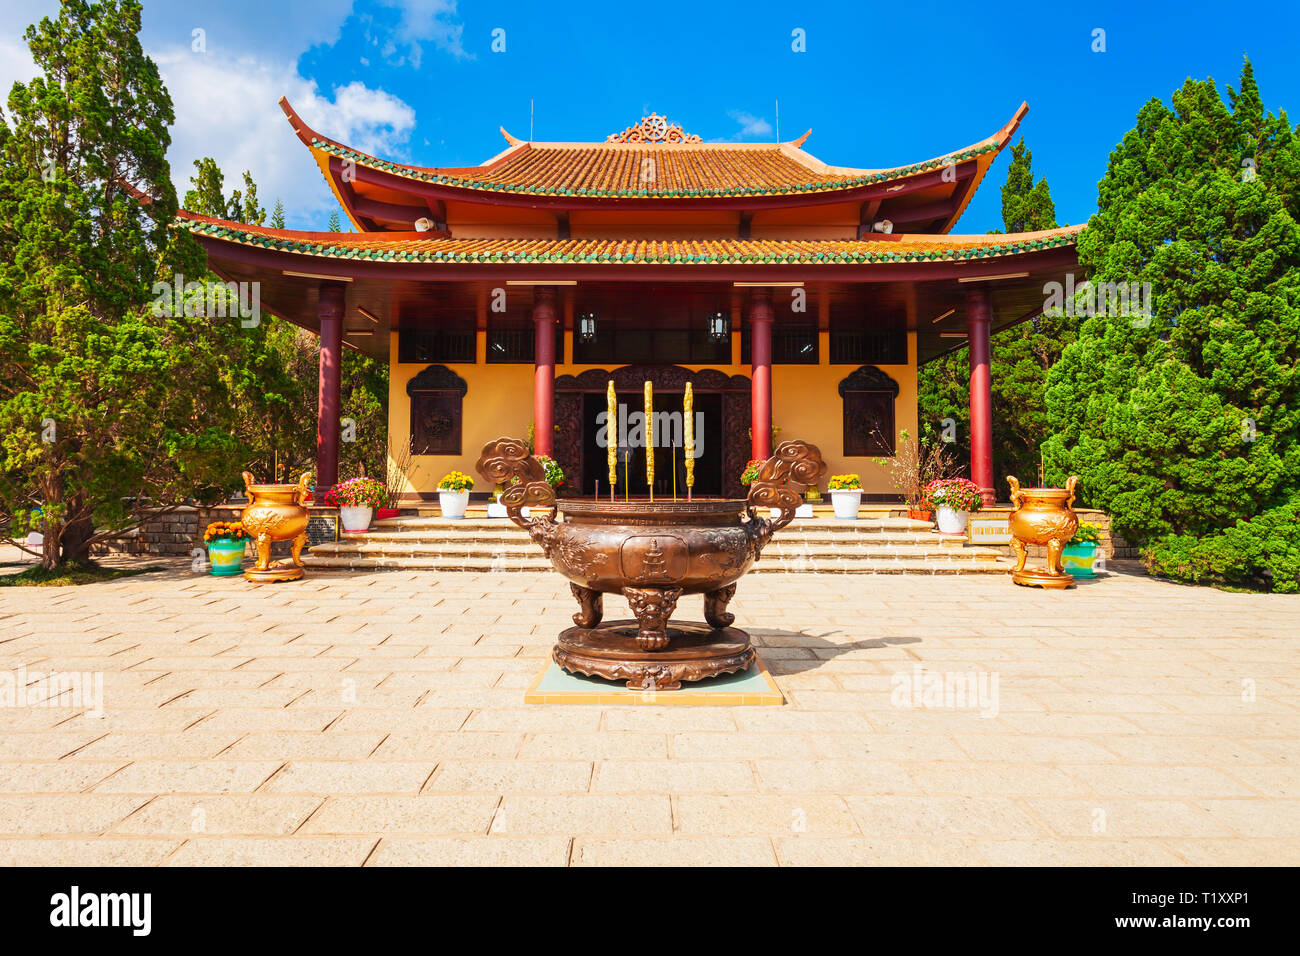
(450, 342)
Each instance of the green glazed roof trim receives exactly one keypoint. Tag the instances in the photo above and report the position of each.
(836, 256)
(846, 182)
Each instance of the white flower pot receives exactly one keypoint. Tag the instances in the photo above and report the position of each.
(453, 503)
(847, 501)
(356, 519)
(951, 521)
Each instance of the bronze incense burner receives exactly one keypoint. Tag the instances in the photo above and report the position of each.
(1042, 516)
(652, 552)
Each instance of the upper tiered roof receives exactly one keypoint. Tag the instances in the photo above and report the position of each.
(654, 165)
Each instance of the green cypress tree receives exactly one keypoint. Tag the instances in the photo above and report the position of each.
(1185, 425)
(103, 403)
(334, 222)
(277, 216)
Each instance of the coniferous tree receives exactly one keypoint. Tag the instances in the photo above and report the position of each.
(104, 404)
(334, 222)
(277, 216)
(1185, 424)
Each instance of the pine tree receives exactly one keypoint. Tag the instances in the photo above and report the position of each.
(102, 401)
(1185, 424)
(334, 222)
(277, 216)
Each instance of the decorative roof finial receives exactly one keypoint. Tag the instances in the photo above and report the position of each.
(652, 129)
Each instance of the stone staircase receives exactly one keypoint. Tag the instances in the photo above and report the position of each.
(874, 544)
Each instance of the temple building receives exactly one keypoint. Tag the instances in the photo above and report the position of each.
(798, 298)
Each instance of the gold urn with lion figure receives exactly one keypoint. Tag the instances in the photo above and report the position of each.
(276, 513)
(1045, 517)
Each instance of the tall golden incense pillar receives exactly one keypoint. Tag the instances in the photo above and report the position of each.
(649, 439)
(688, 435)
(611, 436)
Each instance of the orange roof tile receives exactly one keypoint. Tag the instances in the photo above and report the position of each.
(417, 247)
(614, 170)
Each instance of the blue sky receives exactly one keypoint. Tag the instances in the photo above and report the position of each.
(879, 84)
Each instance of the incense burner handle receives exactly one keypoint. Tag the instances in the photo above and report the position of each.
(508, 461)
(1017, 498)
(781, 482)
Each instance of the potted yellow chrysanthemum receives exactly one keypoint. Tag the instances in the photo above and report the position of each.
(453, 493)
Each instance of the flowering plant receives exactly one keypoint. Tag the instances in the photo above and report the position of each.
(357, 493)
(750, 474)
(1086, 534)
(225, 531)
(554, 473)
(456, 481)
(959, 494)
(844, 483)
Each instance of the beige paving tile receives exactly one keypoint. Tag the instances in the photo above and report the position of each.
(673, 776)
(948, 815)
(1127, 819)
(488, 851)
(426, 814)
(274, 851)
(682, 851)
(499, 776)
(101, 851)
(219, 815)
(205, 776)
(764, 814)
(1256, 817)
(1157, 781)
(67, 776)
(350, 776)
(595, 814)
(876, 851)
(64, 813)
(1077, 852)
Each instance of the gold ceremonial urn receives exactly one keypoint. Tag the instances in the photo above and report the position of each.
(276, 513)
(1043, 516)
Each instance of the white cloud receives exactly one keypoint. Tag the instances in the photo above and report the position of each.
(228, 109)
(426, 21)
(750, 125)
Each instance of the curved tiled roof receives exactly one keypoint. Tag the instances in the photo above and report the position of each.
(417, 248)
(679, 171)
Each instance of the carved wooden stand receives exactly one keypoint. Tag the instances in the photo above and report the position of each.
(652, 553)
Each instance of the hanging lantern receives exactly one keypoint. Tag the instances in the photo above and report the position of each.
(587, 327)
(719, 326)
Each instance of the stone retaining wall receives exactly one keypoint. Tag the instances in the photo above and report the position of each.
(180, 531)
(1112, 545)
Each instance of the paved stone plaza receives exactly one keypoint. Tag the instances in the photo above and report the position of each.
(378, 718)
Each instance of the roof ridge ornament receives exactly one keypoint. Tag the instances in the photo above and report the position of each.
(653, 129)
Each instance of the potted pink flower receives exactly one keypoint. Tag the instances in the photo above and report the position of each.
(953, 500)
(357, 499)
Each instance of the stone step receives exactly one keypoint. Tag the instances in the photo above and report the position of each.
(809, 536)
(841, 565)
(784, 549)
(487, 524)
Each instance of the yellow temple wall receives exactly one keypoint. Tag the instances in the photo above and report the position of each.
(499, 401)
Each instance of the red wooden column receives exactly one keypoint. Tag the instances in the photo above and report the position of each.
(330, 313)
(760, 356)
(544, 317)
(979, 316)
